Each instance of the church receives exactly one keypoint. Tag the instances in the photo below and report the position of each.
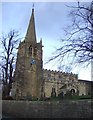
(31, 80)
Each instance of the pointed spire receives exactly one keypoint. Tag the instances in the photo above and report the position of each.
(31, 33)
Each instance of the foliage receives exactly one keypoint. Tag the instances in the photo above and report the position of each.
(70, 97)
(28, 97)
(8, 98)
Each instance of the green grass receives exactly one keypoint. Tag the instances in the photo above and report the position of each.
(85, 97)
(67, 97)
(74, 97)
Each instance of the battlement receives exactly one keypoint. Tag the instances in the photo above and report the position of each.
(60, 72)
(58, 75)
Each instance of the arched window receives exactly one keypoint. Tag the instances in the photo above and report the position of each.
(35, 51)
(53, 93)
(30, 50)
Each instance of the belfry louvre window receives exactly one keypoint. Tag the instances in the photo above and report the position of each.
(35, 51)
(30, 50)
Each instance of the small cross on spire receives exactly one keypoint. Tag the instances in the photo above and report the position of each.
(33, 8)
(33, 5)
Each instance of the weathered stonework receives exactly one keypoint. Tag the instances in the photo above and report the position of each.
(28, 73)
(64, 82)
(31, 80)
(48, 109)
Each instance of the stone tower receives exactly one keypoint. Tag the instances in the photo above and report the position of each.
(28, 76)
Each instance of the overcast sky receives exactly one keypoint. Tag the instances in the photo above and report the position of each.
(50, 20)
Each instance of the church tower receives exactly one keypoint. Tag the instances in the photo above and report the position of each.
(28, 76)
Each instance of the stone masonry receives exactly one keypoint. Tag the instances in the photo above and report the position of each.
(31, 80)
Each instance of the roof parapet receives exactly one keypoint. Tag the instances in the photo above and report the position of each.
(60, 72)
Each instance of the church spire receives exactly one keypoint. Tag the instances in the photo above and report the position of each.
(31, 33)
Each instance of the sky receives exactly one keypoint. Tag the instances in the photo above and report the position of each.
(50, 20)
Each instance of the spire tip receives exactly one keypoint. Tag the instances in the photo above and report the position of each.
(33, 6)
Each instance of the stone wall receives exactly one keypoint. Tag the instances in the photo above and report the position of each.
(85, 87)
(47, 109)
(57, 79)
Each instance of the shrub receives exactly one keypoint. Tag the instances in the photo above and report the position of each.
(7, 98)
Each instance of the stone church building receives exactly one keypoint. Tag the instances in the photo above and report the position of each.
(30, 79)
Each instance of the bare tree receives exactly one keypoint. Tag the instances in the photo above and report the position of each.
(77, 46)
(9, 45)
